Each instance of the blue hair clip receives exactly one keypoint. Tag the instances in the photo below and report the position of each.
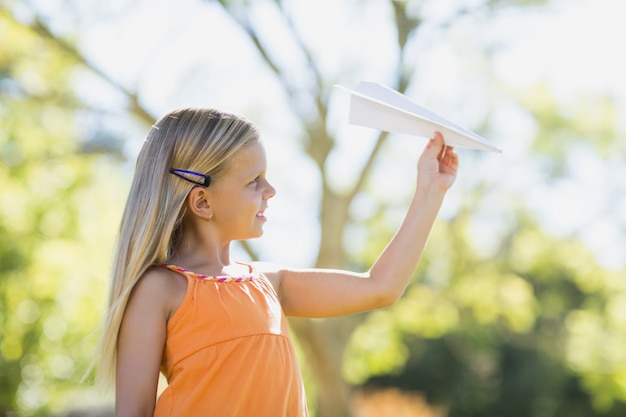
(205, 180)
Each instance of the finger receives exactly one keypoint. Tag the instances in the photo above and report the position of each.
(448, 151)
(436, 143)
(439, 145)
(451, 157)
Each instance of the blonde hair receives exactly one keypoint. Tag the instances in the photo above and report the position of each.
(195, 139)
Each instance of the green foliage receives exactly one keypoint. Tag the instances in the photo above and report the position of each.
(56, 214)
(537, 331)
(591, 119)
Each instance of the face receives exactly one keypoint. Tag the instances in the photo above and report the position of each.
(239, 196)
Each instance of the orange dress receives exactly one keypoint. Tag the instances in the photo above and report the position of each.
(228, 352)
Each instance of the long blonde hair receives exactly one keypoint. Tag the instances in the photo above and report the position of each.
(195, 139)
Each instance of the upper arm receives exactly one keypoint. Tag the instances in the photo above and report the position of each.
(326, 292)
(141, 342)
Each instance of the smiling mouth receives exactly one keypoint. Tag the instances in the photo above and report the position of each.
(261, 214)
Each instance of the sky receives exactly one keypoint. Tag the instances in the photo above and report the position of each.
(179, 53)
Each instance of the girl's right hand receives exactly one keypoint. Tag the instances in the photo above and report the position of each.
(437, 166)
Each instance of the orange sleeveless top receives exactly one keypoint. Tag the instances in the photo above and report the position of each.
(228, 352)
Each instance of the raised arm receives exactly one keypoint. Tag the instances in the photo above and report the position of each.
(326, 293)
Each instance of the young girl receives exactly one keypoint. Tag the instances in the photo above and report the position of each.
(216, 328)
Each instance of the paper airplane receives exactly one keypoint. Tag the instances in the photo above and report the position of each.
(380, 107)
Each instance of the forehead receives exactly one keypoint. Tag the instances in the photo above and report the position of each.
(249, 159)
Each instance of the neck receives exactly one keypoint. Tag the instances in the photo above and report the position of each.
(201, 252)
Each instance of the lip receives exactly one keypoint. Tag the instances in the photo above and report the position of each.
(261, 215)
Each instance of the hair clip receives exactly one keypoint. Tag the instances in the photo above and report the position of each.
(181, 173)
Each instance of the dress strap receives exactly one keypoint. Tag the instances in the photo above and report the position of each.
(224, 278)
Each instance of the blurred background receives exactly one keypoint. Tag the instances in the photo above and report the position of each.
(519, 305)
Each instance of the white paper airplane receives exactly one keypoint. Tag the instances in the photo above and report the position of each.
(380, 107)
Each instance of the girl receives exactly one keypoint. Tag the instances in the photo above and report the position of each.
(216, 328)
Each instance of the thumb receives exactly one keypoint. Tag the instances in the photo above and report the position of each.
(435, 146)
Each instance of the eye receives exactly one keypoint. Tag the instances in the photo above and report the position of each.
(256, 180)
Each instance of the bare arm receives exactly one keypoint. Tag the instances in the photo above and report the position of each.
(325, 293)
(141, 342)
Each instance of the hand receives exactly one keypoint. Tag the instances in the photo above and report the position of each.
(437, 167)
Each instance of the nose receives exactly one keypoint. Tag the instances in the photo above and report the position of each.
(269, 192)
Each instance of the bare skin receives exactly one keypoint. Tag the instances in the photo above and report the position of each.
(232, 209)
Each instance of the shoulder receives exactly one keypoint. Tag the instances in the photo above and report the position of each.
(272, 271)
(162, 289)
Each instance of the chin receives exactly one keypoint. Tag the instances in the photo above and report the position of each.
(254, 235)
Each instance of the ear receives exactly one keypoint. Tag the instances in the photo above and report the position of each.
(198, 203)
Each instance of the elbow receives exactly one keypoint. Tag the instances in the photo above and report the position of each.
(388, 297)
(384, 291)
